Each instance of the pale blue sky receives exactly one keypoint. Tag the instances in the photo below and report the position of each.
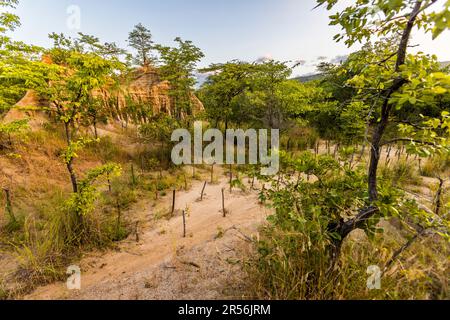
(223, 29)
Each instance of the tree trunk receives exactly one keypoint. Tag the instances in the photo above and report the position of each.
(344, 228)
(375, 156)
(69, 164)
(9, 209)
(95, 128)
(73, 177)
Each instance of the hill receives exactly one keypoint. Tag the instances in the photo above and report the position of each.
(309, 78)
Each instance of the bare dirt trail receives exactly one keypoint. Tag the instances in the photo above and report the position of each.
(164, 265)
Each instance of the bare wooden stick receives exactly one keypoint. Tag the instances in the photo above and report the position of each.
(421, 233)
(109, 184)
(336, 150)
(388, 157)
(231, 178)
(223, 203)
(438, 201)
(173, 201)
(203, 191)
(184, 224)
(136, 230)
(398, 253)
(119, 215)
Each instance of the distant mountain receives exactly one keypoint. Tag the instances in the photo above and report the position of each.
(319, 76)
(201, 79)
(445, 64)
(309, 78)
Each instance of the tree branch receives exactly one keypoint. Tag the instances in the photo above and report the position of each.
(408, 140)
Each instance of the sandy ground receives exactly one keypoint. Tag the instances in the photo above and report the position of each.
(207, 264)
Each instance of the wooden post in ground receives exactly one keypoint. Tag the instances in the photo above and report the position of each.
(119, 215)
(203, 191)
(173, 201)
(388, 157)
(231, 178)
(136, 230)
(184, 224)
(223, 203)
(336, 150)
(438, 202)
(185, 182)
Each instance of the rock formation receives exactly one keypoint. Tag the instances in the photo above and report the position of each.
(144, 86)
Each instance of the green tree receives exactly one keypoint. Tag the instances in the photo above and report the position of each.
(141, 40)
(392, 79)
(17, 60)
(223, 90)
(270, 78)
(76, 72)
(159, 130)
(178, 65)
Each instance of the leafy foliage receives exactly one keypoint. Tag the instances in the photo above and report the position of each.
(141, 40)
(178, 66)
(83, 202)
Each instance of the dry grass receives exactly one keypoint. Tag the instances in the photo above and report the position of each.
(46, 241)
(420, 273)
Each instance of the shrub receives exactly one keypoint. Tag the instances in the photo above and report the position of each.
(107, 150)
(401, 172)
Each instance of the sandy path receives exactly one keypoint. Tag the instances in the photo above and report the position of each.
(164, 265)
